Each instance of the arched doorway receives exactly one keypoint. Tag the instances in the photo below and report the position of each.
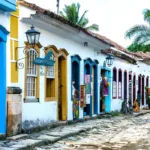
(62, 85)
(125, 85)
(134, 88)
(75, 84)
(143, 87)
(88, 63)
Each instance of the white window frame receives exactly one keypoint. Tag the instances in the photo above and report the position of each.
(33, 73)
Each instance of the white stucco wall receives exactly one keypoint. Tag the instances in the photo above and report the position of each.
(141, 68)
(47, 111)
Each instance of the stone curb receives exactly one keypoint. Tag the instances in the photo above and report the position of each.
(57, 124)
(46, 142)
(141, 114)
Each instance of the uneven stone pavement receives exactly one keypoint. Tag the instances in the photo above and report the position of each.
(109, 133)
(119, 133)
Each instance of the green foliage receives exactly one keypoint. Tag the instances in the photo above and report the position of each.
(71, 13)
(140, 34)
(134, 47)
(114, 113)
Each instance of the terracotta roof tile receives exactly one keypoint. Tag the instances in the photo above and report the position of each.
(94, 35)
(59, 18)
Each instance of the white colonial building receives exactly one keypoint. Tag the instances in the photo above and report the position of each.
(72, 88)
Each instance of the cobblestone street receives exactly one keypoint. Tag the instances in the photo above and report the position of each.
(125, 133)
(115, 133)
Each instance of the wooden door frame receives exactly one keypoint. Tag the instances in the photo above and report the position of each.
(64, 105)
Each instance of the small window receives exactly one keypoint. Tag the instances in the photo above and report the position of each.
(120, 84)
(50, 72)
(114, 89)
(50, 80)
(50, 87)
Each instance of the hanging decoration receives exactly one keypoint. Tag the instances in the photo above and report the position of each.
(104, 86)
(75, 105)
(82, 96)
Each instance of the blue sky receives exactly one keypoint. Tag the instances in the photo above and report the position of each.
(114, 17)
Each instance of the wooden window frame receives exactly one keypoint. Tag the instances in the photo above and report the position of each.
(28, 99)
(55, 78)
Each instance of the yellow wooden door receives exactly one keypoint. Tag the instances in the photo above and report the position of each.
(62, 89)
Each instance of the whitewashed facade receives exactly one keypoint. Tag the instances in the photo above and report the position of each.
(72, 40)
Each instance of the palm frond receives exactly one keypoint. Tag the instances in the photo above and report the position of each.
(71, 13)
(82, 17)
(136, 30)
(143, 38)
(62, 14)
(84, 23)
(93, 27)
(146, 14)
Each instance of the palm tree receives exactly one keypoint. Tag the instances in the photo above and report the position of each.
(71, 13)
(141, 33)
(134, 47)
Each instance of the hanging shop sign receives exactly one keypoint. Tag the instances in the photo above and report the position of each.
(47, 61)
(82, 95)
(88, 84)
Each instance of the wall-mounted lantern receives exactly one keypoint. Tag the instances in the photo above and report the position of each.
(33, 36)
(33, 39)
(109, 60)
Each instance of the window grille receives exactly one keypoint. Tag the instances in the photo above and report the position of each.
(31, 74)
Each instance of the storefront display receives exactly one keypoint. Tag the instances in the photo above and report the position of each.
(104, 86)
(75, 105)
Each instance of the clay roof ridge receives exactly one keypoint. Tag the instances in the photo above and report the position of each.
(43, 11)
(59, 18)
